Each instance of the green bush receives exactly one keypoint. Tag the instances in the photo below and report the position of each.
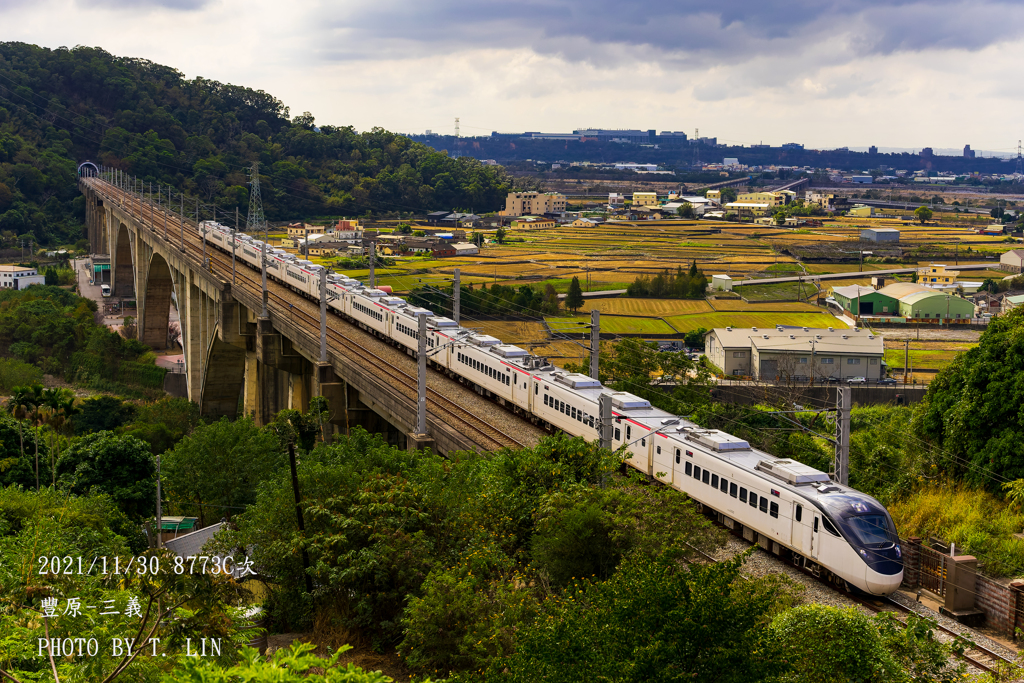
(16, 373)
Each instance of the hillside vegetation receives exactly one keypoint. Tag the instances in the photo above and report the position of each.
(61, 107)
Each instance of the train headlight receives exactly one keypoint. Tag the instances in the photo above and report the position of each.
(899, 553)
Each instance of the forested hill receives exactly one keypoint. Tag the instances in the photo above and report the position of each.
(60, 107)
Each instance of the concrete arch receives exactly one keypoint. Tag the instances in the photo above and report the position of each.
(87, 168)
(123, 281)
(225, 375)
(157, 303)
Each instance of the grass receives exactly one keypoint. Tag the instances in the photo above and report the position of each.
(926, 359)
(653, 307)
(783, 268)
(685, 323)
(613, 325)
(510, 332)
(743, 306)
(777, 292)
(979, 523)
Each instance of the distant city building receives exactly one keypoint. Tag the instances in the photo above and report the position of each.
(632, 166)
(777, 198)
(792, 145)
(861, 211)
(880, 235)
(618, 135)
(528, 203)
(872, 150)
(927, 153)
(730, 161)
(672, 136)
(532, 222)
(710, 142)
(968, 152)
(862, 179)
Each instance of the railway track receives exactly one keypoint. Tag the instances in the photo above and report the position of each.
(443, 407)
(974, 654)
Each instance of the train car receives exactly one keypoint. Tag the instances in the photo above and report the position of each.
(781, 504)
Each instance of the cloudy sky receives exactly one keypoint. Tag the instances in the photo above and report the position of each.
(827, 73)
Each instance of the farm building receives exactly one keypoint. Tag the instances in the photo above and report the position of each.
(863, 300)
(796, 353)
(861, 211)
(922, 304)
(880, 235)
(1012, 261)
(721, 282)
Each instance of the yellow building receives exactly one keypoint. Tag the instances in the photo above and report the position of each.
(861, 211)
(533, 222)
(714, 195)
(527, 203)
(645, 199)
(770, 198)
(936, 273)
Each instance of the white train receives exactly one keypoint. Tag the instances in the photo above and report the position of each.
(785, 506)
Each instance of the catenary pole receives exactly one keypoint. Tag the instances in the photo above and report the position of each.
(264, 313)
(421, 375)
(456, 297)
(604, 402)
(595, 341)
(323, 315)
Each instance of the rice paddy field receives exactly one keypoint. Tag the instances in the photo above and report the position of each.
(685, 323)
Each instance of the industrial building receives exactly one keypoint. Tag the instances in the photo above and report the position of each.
(645, 199)
(903, 302)
(864, 300)
(880, 235)
(794, 353)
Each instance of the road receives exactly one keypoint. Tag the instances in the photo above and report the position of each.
(855, 274)
(110, 318)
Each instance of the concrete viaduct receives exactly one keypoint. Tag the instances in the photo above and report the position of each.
(239, 361)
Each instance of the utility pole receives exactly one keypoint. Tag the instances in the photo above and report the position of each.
(159, 510)
(842, 456)
(181, 222)
(323, 315)
(373, 264)
(604, 407)
(298, 515)
(906, 359)
(595, 340)
(456, 296)
(421, 375)
(263, 260)
(234, 235)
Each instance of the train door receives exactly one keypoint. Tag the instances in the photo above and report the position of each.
(815, 536)
(801, 533)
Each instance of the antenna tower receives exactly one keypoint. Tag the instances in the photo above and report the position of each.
(1019, 171)
(696, 147)
(457, 127)
(255, 221)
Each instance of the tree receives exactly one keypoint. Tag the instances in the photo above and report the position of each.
(103, 413)
(779, 218)
(120, 466)
(695, 338)
(574, 298)
(499, 235)
(215, 471)
(652, 621)
(19, 405)
(923, 213)
(685, 210)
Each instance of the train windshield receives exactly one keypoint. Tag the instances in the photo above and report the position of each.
(870, 530)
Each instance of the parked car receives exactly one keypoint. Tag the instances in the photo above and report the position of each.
(857, 380)
(888, 380)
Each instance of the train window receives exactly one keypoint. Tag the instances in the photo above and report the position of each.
(536, 389)
(705, 476)
(643, 442)
(763, 504)
(677, 456)
(799, 512)
(659, 450)
(815, 525)
(545, 399)
(689, 468)
(829, 527)
(724, 487)
(696, 472)
(732, 490)
(743, 495)
(618, 434)
(773, 510)
(628, 430)
(714, 481)
(753, 499)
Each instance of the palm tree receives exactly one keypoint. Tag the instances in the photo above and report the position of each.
(65, 413)
(35, 403)
(18, 406)
(51, 401)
